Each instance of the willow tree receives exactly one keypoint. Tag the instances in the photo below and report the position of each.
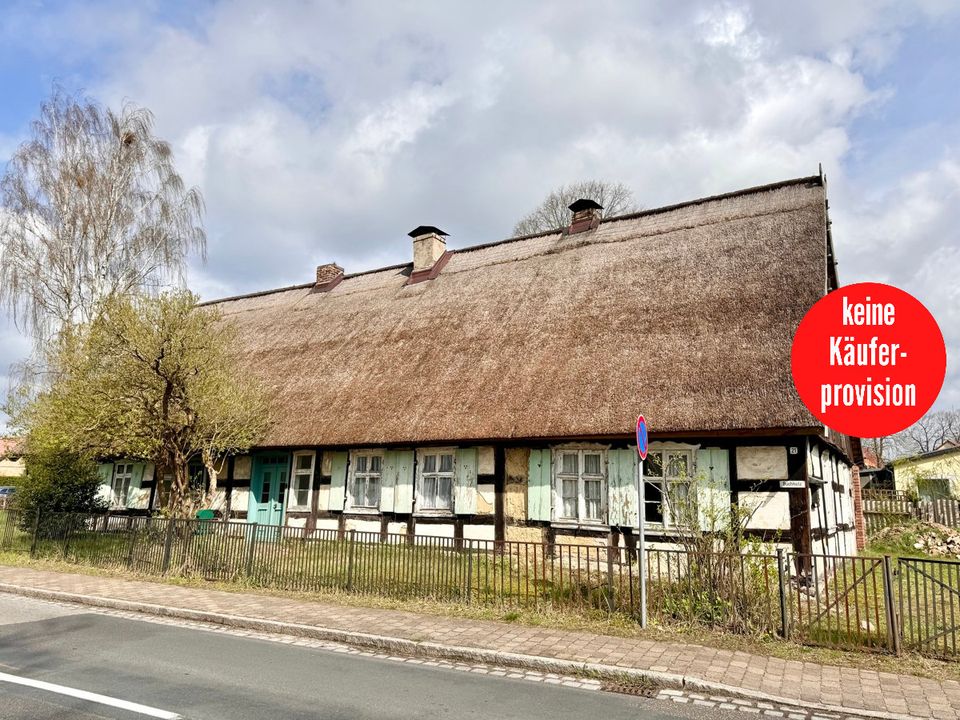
(152, 378)
(554, 213)
(91, 208)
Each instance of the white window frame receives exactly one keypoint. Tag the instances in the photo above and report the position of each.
(559, 476)
(295, 475)
(421, 454)
(126, 479)
(664, 480)
(351, 480)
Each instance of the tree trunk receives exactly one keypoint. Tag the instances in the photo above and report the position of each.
(179, 490)
(211, 494)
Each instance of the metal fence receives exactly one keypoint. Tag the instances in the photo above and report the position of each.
(878, 603)
(884, 512)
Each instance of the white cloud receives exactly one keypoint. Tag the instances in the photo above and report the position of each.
(324, 131)
(905, 234)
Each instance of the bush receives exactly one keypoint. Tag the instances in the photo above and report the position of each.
(57, 482)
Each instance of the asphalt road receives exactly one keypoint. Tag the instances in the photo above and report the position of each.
(201, 675)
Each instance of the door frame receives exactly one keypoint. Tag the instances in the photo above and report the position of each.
(256, 483)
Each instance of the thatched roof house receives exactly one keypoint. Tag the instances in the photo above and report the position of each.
(491, 392)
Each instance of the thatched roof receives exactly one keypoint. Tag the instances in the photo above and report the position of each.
(684, 313)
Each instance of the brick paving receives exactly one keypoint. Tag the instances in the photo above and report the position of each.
(794, 681)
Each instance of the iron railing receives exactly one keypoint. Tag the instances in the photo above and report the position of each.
(856, 602)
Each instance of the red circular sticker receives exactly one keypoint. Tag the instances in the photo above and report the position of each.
(868, 360)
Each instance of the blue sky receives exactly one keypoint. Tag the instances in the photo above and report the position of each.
(323, 131)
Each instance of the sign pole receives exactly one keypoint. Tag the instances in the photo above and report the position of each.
(641, 512)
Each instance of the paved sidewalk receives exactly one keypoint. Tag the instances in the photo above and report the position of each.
(801, 683)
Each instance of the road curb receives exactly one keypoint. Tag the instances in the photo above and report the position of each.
(403, 646)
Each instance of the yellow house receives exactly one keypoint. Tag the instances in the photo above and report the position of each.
(930, 475)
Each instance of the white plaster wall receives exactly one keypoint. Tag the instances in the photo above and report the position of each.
(431, 530)
(762, 463)
(327, 524)
(479, 532)
(770, 510)
(486, 499)
(240, 499)
(296, 522)
(323, 496)
(485, 460)
(397, 528)
(363, 526)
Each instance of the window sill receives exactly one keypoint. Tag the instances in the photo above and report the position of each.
(362, 511)
(574, 525)
(434, 513)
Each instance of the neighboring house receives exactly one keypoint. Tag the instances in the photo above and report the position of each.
(932, 475)
(490, 392)
(875, 475)
(11, 468)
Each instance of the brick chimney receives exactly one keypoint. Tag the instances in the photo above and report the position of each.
(328, 277)
(428, 246)
(586, 215)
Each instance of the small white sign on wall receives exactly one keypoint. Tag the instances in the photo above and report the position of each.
(792, 484)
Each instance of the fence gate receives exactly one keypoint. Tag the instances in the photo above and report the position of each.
(844, 602)
(928, 599)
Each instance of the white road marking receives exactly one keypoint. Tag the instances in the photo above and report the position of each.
(91, 697)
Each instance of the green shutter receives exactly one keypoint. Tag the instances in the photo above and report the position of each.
(538, 486)
(403, 485)
(136, 480)
(622, 487)
(465, 485)
(388, 480)
(338, 480)
(713, 487)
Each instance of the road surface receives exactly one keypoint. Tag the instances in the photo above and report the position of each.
(184, 672)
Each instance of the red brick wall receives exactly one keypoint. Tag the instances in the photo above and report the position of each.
(858, 519)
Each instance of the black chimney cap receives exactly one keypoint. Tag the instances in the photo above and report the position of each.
(425, 230)
(585, 204)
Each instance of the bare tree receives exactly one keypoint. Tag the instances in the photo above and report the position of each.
(880, 449)
(91, 208)
(553, 212)
(929, 433)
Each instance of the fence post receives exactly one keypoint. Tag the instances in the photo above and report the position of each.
(893, 629)
(167, 546)
(133, 540)
(611, 603)
(66, 539)
(254, 532)
(469, 569)
(36, 531)
(781, 583)
(350, 559)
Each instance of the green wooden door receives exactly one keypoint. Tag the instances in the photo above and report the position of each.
(268, 488)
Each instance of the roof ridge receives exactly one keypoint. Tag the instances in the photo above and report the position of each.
(816, 179)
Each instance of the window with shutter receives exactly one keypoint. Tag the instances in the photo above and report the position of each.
(580, 484)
